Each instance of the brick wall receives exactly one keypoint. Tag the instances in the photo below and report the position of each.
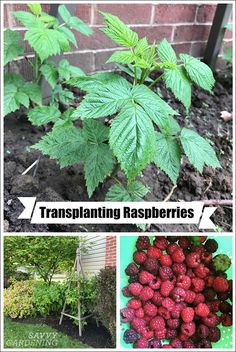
(186, 26)
(110, 251)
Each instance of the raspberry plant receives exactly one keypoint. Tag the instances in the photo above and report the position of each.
(142, 127)
(47, 37)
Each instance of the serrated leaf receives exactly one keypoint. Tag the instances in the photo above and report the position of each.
(141, 47)
(79, 25)
(14, 78)
(105, 101)
(130, 71)
(33, 91)
(49, 20)
(132, 139)
(50, 73)
(10, 102)
(41, 115)
(95, 131)
(198, 72)
(65, 143)
(198, 150)
(35, 8)
(76, 71)
(156, 108)
(22, 98)
(69, 35)
(124, 57)
(28, 19)
(168, 156)
(118, 31)
(170, 127)
(165, 52)
(177, 81)
(12, 46)
(133, 192)
(64, 13)
(66, 96)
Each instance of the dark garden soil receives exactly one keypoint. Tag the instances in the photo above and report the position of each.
(53, 184)
(92, 335)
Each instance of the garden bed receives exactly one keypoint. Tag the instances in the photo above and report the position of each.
(54, 184)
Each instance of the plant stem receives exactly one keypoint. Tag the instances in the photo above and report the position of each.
(36, 68)
(135, 75)
(156, 80)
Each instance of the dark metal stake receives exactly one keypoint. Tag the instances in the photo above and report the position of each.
(216, 35)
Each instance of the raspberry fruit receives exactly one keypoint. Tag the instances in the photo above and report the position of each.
(161, 242)
(211, 245)
(201, 271)
(141, 343)
(157, 298)
(166, 288)
(134, 303)
(139, 257)
(198, 284)
(146, 293)
(202, 310)
(176, 343)
(155, 284)
(187, 314)
(190, 296)
(221, 262)
(193, 260)
(188, 344)
(168, 303)
(211, 320)
(188, 328)
(173, 323)
(147, 333)
(209, 294)
(145, 277)
(214, 334)
(157, 323)
(171, 333)
(127, 314)
(178, 256)
(226, 319)
(150, 309)
(225, 307)
(130, 336)
(137, 324)
(202, 331)
(139, 313)
(154, 344)
(171, 248)
(165, 260)
(179, 268)
(184, 242)
(183, 281)
(132, 269)
(154, 252)
(143, 242)
(135, 288)
(165, 273)
(151, 265)
(126, 292)
(178, 294)
(220, 284)
(160, 334)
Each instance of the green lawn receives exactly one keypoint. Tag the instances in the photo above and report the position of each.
(20, 335)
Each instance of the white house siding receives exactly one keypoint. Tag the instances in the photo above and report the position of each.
(94, 260)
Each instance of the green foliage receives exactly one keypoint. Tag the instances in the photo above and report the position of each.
(198, 150)
(12, 46)
(74, 22)
(133, 192)
(166, 53)
(41, 115)
(18, 300)
(48, 299)
(105, 306)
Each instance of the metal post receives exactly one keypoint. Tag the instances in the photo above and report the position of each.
(216, 35)
(78, 272)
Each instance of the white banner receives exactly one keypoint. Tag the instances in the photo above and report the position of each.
(117, 213)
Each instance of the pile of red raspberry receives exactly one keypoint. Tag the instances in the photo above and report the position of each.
(176, 294)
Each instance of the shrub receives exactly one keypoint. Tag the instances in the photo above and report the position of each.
(48, 298)
(19, 299)
(105, 306)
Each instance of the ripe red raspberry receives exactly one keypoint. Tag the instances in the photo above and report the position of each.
(163, 312)
(155, 284)
(134, 303)
(204, 343)
(173, 323)
(209, 280)
(161, 242)
(155, 344)
(220, 284)
(141, 343)
(166, 288)
(165, 260)
(178, 256)
(176, 312)
(143, 242)
(150, 309)
(184, 242)
(215, 305)
(139, 257)
(165, 273)
(226, 319)
(214, 334)
(192, 259)
(160, 334)
(147, 333)
(127, 314)
(187, 314)
(171, 333)
(190, 296)
(147, 319)
(178, 294)
(154, 252)
(146, 293)
(126, 292)
(137, 324)
(179, 268)
(157, 298)
(202, 331)
(132, 269)
(157, 323)
(197, 284)
(206, 257)
(188, 344)
(211, 320)
(199, 298)
(168, 303)
(183, 337)
(135, 288)
(201, 271)
(171, 248)
(183, 281)
(151, 265)
(209, 294)
(188, 328)
(139, 313)
(145, 277)
(176, 343)
(202, 310)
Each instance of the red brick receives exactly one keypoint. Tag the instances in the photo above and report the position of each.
(174, 13)
(24, 68)
(206, 13)
(128, 13)
(83, 11)
(155, 33)
(182, 48)
(228, 34)
(191, 33)
(85, 61)
(21, 7)
(198, 49)
(97, 40)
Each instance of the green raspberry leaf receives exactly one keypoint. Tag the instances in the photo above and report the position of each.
(35, 8)
(168, 156)
(124, 57)
(50, 73)
(166, 53)
(41, 115)
(198, 150)
(133, 192)
(11, 104)
(198, 72)
(12, 46)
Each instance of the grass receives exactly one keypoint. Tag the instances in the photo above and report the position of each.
(21, 335)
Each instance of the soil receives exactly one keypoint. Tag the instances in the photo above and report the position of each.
(54, 184)
(92, 335)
